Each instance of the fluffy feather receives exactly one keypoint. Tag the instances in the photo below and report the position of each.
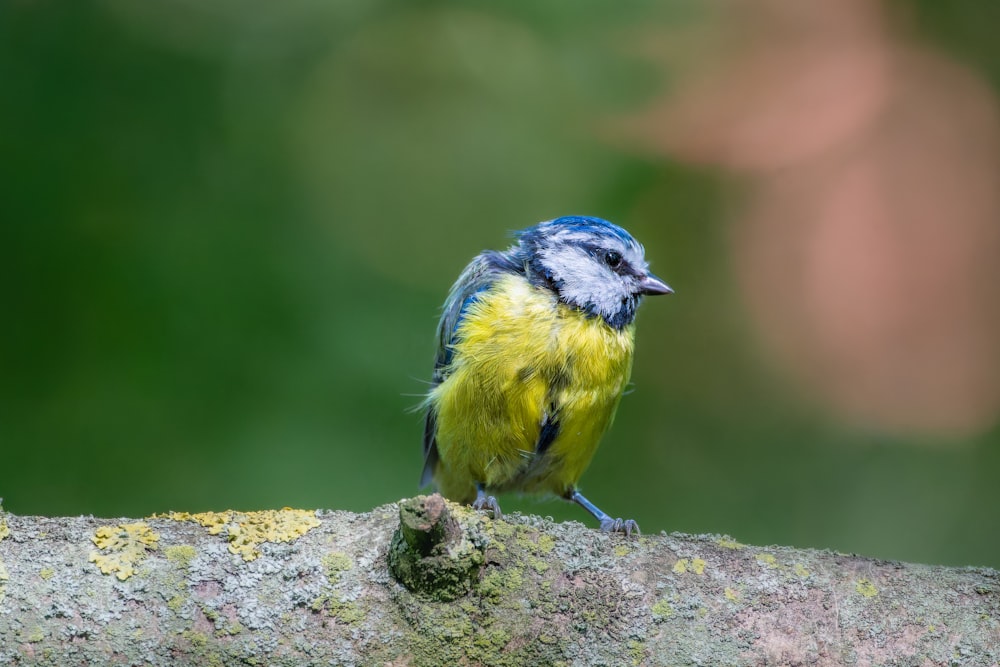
(535, 350)
(521, 357)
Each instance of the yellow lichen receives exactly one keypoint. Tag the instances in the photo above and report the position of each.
(866, 588)
(696, 565)
(728, 543)
(46, 573)
(4, 529)
(800, 570)
(246, 531)
(768, 560)
(122, 547)
(622, 550)
(732, 594)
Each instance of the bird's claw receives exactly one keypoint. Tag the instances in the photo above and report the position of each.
(488, 503)
(626, 526)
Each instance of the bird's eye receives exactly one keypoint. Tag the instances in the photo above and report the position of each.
(613, 259)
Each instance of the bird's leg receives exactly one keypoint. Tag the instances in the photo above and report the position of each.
(485, 502)
(608, 524)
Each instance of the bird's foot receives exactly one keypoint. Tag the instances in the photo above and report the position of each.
(626, 526)
(488, 503)
(608, 525)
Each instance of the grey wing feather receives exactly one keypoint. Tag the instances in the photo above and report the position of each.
(477, 277)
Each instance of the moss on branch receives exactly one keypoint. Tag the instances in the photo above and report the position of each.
(464, 589)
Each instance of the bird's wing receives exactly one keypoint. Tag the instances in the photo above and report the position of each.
(477, 277)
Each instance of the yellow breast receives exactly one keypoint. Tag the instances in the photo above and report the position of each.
(520, 356)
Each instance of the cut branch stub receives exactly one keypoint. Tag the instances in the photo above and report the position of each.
(437, 550)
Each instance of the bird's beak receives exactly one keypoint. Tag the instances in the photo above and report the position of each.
(652, 285)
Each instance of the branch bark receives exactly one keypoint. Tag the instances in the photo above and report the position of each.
(300, 588)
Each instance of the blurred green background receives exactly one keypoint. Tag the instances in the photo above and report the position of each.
(226, 230)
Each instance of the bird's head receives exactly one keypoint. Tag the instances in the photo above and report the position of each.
(591, 264)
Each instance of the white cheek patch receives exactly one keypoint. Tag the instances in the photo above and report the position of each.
(583, 281)
(569, 263)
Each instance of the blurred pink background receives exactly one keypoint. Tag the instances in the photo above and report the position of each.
(865, 212)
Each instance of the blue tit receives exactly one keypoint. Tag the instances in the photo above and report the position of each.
(534, 351)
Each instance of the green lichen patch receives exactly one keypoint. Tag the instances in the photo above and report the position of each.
(539, 565)
(344, 611)
(199, 640)
(636, 651)
(499, 582)
(500, 529)
(546, 543)
(522, 537)
(247, 531)
(662, 610)
(230, 629)
(182, 554)
(334, 563)
(456, 634)
(121, 548)
(536, 601)
(333, 602)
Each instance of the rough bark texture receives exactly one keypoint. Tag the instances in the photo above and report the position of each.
(304, 588)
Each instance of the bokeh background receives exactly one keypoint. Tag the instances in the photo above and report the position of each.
(226, 230)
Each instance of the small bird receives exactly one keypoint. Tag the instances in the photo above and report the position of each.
(534, 351)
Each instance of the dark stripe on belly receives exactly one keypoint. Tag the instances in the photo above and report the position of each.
(550, 429)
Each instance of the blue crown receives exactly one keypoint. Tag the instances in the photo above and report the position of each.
(576, 223)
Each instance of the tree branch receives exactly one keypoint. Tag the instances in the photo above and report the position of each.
(296, 588)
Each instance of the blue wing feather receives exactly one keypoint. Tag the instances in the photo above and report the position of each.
(481, 273)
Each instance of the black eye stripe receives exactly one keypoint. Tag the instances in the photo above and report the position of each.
(613, 259)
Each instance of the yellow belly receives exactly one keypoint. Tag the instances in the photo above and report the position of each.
(520, 354)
